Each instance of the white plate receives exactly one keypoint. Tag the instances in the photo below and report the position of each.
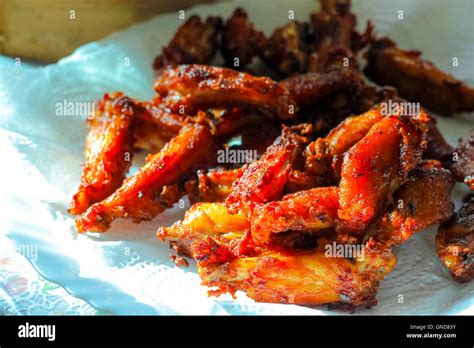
(127, 270)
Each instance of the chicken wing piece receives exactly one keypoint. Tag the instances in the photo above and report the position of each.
(463, 167)
(109, 150)
(307, 211)
(213, 185)
(455, 243)
(191, 88)
(287, 49)
(460, 160)
(437, 147)
(417, 80)
(310, 88)
(375, 167)
(264, 180)
(228, 122)
(241, 41)
(333, 30)
(155, 126)
(203, 221)
(194, 42)
(424, 200)
(300, 180)
(303, 278)
(139, 197)
(323, 157)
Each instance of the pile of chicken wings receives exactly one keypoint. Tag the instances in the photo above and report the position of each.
(333, 166)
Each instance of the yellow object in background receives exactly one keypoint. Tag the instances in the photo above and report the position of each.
(47, 30)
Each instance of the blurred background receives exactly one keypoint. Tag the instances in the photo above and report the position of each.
(47, 30)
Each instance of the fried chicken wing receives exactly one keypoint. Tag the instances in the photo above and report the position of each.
(139, 197)
(264, 180)
(375, 167)
(307, 211)
(108, 151)
(228, 122)
(304, 278)
(202, 221)
(417, 80)
(335, 36)
(463, 167)
(300, 180)
(287, 49)
(240, 40)
(195, 42)
(455, 243)
(201, 87)
(155, 126)
(422, 201)
(437, 147)
(310, 88)
(213, 185)
(323, 157)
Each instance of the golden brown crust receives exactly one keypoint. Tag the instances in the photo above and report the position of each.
(323, 157)
(437, 147)
(204, 220)
(195, 42)
(417, 80)
(455, 243)
(310, 88)
(200, 87)
(422, 201)
(463, 167)
(335, 37)
(108, 150)
(155, 126)
(307, 211)
(241, 40)
(375, 167)
(139, 196)
(213, 185)
(264, 180)
(304, 278)
(287, 49)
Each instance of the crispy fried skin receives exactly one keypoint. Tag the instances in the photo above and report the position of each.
(264, 180)
(463, 167)
(155, 126)
(310, 88)
(213, 185)
(227, 122)
(335, 36)
(437, 147)
(323, 157)
(200, 87)
(241, 40)
(455, 243)
(300, 180)
(139, 195)
(287, 49)
(304, 278)
(108, 151)
(417, 80)
(307, 211)
(194, 42)
(375, 167)
(422, 201)
(228, 261)
(202, 221)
